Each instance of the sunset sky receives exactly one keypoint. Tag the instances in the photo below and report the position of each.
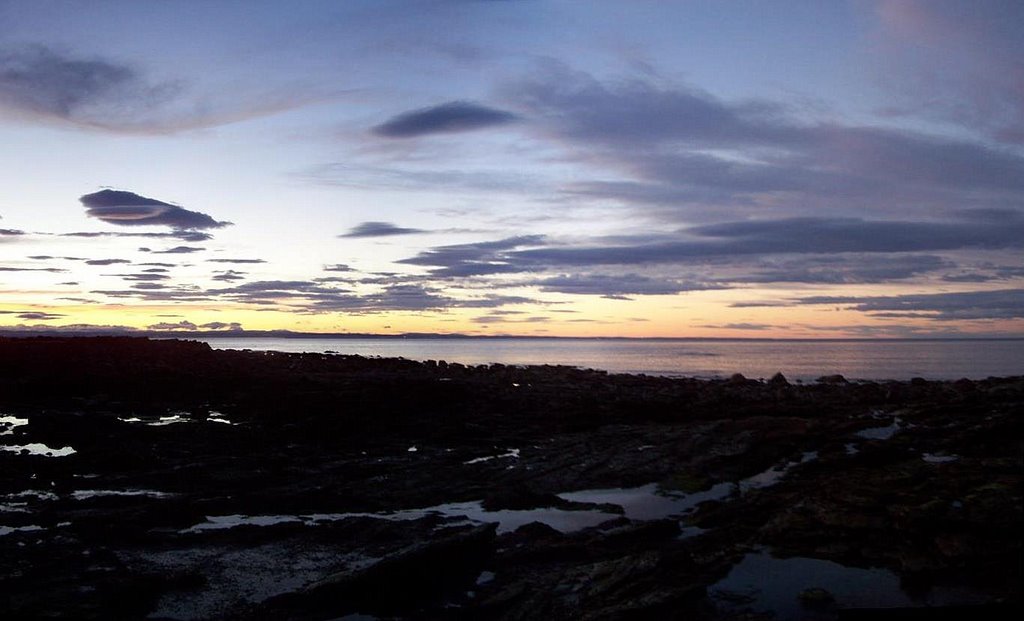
(578, 168)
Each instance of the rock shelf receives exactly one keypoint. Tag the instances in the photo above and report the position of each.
(182, 482)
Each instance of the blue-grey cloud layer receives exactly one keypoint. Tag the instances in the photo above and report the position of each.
(687, 150)
(998, 304)
(729, 240)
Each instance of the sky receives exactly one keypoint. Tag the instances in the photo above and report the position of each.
(529, 167)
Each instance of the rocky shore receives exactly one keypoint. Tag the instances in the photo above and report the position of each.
(166, 480)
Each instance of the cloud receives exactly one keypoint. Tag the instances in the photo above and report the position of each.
(238, 261)
(105, 261)
(43, 84)
(501, 318)
(998, 304)
(181, 325)
(338, 267)
(379, 229)
(220, 325)
(187, 236)
(849, 240)
(319, 297)
(790, 235)
(38, 316)
(53, 270)
(11, 232)
(698, 156)
(473, 259)
(39, 82)
(956, 61)
(178, 250)
(144, 277)
(740, 326)
(228, 276)
(617, 285)
(446, 118)
(838, 269)
(130, 209)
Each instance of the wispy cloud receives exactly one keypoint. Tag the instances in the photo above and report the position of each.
(236, 261)
(998, 304)
(39, 82)
(730, 241)
(690, 152)
(956, 61)
(91, 92)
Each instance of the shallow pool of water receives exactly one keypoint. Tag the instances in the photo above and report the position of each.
(763, 583)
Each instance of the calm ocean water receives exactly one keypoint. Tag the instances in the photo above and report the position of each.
(805, 360)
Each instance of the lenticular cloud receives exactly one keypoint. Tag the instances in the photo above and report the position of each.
(130, 209)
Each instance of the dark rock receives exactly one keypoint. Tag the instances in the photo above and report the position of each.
(318, 444)
(832, 379)
(816, 597)
(400, 581)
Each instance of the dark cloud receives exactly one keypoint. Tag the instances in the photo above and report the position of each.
(338, 267)
(446, 118)
(616, 285)
(40, 82)
(129, 209)
(158, 294)
(379, 229)
(228, 276)
(839, 269)
(846, 239)
(79, 300)
(318, 297)
(178, 250)
(144, 277)
(105, 261)
(998, 304)
(238, 261)
(11, 232)
(53, 270)
(37, 316)
(187, 236)
(474, 259)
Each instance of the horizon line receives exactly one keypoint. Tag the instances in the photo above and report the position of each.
(291, 334)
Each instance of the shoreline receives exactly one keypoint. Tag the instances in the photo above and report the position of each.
(244, 485)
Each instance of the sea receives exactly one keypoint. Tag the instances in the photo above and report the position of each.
(803, 360)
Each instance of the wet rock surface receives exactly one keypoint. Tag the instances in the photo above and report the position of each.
(163, 479)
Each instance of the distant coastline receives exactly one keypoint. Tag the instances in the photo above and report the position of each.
(289, 334)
